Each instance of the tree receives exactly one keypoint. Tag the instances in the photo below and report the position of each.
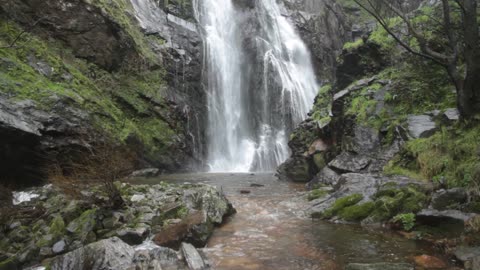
(459, 49)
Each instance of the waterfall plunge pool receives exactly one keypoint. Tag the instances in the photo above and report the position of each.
(271, 231)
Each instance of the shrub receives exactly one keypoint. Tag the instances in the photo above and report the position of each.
(407, 220)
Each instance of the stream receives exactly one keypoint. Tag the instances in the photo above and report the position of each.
(271, 231)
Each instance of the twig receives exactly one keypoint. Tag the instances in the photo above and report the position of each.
(21, 34)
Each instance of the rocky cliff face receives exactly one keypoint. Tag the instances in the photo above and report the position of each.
(74, 68)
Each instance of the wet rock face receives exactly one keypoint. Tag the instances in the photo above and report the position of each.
(324, 27)
(28, 134)
(81, 26)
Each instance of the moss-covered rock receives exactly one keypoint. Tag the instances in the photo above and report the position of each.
(317, 194)
(57, 227)
(82, 227)
(357, 212)
(340, 204)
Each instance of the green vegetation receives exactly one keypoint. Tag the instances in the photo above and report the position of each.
(120, 104)
(407, 220)
(450, 156)
(316, 194)
(349, 46)
(323, 105)
(357, 212)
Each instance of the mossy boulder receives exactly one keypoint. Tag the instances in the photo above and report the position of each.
(340, 204)
(82, 227)
(357, 212)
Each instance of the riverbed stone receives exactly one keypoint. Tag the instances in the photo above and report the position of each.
(469, 256)
(379, 266)
(429, 262)
(434, 217)
(192, 257)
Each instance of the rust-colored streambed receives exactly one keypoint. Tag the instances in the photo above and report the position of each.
(271, 232)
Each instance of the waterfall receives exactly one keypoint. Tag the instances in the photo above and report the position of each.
(260, 83)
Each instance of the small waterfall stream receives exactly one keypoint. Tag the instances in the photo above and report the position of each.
(260, 83)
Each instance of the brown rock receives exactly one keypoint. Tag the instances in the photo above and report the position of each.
(430, 262)
(173, 235)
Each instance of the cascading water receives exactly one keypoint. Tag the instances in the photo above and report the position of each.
(260, 83)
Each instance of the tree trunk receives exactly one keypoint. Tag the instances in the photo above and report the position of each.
(469, 93)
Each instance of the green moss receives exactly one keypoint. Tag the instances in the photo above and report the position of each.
(350, 46)
(391, 200)
(316, 194)
(449, 155)
(121, 104)
(357, 212)
(57, 227)
(322, 106)
(342, 203)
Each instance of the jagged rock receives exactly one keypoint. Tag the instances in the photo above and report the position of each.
(445, 199)
(348, 162)
(469, 256)
(150, 172)
(326, 176)
(366, 140)
(192, 257)
(379, 266)
(421, 126)
(296, 169)
(109, 254)
(40, 66)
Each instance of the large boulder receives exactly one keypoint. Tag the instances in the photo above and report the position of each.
(108, 254)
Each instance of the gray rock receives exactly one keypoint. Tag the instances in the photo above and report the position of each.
(40, 66)
(59, 247)
(326, 176)
(435, 216)
(348, 162)
(451, 115)
(149, 172)
(379, 266)
(421, 126)
(192, 257)
(446, 199)
(108, 254)
(133, 236)
(469, 256)
(366, 140)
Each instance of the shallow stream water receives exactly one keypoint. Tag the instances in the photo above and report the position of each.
(271, 231)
